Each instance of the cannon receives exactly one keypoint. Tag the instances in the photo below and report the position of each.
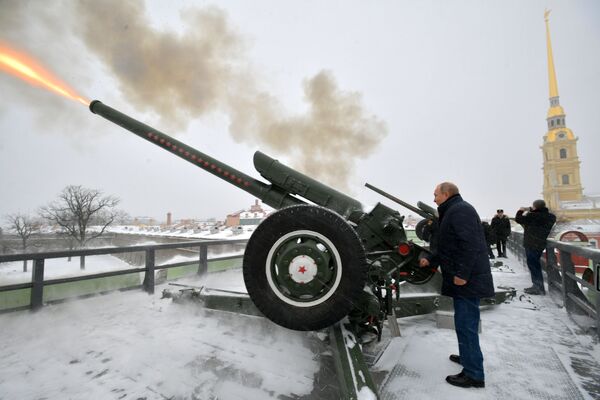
(320, 256)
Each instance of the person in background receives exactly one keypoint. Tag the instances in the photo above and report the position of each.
(466, 277)
(501, 228)
(537, 222)
(489, 238)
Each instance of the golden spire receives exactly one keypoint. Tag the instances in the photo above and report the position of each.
(551, 71)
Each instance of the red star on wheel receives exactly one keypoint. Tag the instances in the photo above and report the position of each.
(302, 269)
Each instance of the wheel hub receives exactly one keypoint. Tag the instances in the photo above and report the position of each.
(303, 269)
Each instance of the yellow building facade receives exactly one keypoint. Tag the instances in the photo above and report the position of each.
(562, 189)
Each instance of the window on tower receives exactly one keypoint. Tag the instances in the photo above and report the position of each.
(551, 122)
(563, 153)
(565, 179)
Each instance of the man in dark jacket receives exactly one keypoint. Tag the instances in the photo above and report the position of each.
(501, 228)
(462, 254)
(537, 222)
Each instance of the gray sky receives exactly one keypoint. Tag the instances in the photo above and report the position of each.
(400, 94)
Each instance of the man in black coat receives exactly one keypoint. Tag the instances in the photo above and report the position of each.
(537, 222)
(501, 228)
(462, 254)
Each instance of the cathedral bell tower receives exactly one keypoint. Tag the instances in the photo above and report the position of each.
(561, 163)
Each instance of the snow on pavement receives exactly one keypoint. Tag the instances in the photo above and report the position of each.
(131, 345)
(532, 350)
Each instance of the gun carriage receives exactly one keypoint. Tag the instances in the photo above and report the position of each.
(320, 256)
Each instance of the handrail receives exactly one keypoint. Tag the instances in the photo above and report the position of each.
(113, 250)
(38, 282)
(561, 275)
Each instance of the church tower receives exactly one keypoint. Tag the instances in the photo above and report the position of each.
(561, 163)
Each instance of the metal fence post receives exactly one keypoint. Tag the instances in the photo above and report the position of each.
(597, 287)
(203, 262)
(554, 278)
(149, 274)
(37, 284)
(566, 265)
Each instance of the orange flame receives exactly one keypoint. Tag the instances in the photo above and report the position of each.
(24, 67)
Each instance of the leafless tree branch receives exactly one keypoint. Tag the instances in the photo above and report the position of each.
(78, 208)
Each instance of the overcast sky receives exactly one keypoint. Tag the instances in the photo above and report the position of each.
(400, 94)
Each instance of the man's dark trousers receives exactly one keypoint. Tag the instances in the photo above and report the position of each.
(501, 247)
(535, 267)
(466, 323)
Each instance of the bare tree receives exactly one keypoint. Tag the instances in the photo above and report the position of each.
(24, 226)
(78, 209)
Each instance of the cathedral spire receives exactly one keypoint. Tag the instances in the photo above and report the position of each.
(551, 72)
(556, 114)
(562, 181)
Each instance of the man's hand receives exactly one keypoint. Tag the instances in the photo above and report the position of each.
(423, 262)
(459, 282)
(524, 209)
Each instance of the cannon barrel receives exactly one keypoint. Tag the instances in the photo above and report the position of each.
(285, 181)
(269, 194)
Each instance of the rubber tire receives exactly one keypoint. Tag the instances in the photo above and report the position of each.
(353, 267)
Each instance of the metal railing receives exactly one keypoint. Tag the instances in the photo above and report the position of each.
(38, 282)
(558, 264)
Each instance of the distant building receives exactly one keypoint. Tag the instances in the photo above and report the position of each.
(563, 191)
(143, 221)
(233, 219)
(252, 216)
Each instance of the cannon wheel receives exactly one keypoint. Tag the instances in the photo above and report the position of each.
(304, 266)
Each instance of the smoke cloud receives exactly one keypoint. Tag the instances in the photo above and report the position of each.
(183, 76)
(323, 143)
(201, 69)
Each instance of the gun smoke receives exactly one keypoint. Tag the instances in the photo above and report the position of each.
(203, 69)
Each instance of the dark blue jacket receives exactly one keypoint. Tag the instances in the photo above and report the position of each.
(462, 251)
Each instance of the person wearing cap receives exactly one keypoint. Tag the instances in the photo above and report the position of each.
(537, 222)
(501, 228)
(466, 277)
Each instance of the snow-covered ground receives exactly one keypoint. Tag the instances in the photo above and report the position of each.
(132, 345)
(532, 350)
(241, 232)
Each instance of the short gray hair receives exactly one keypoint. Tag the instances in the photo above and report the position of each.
(449, 187)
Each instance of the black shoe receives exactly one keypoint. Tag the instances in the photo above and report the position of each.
(463, 380)
(455, 358)
(534, 291)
